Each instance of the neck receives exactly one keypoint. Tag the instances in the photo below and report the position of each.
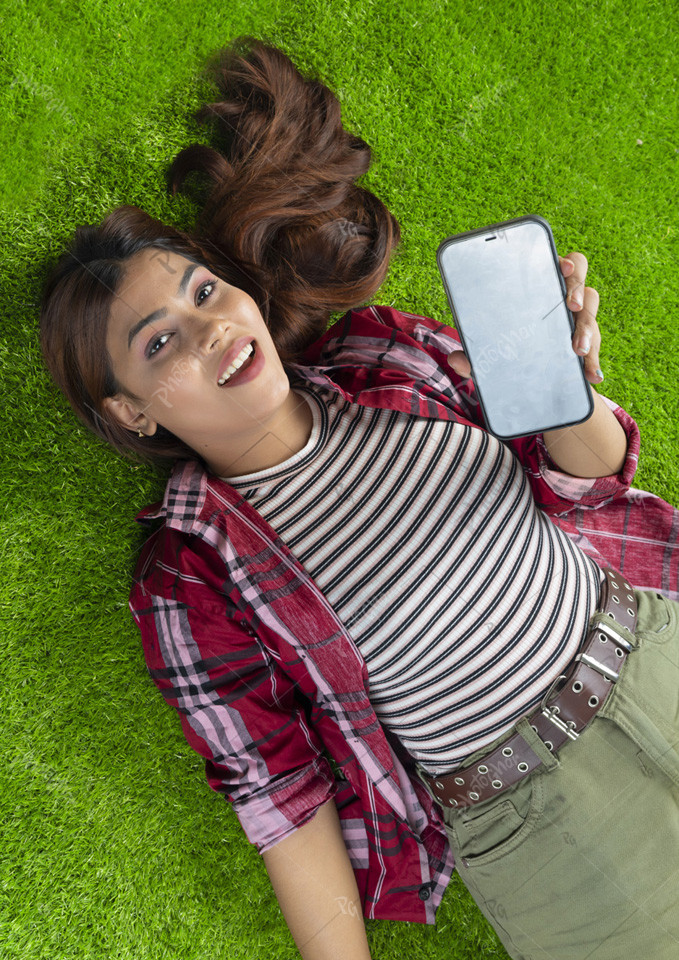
(279, 440)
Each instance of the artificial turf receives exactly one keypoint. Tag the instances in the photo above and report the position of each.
(112, 843)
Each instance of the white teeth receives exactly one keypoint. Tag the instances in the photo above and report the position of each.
(236, 364)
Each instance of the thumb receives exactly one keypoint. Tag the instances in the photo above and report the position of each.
(458, 361)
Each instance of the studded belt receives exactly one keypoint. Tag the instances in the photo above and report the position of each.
(570, 704)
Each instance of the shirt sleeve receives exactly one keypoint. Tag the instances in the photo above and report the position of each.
(237, 709)
(554, 491)
(561, 491)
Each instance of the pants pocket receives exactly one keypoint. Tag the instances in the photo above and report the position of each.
(486, 833)
(657, 620)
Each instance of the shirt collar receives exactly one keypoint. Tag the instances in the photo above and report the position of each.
(317, 374)
(184, 497)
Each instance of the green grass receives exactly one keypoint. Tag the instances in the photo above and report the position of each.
(113, 845)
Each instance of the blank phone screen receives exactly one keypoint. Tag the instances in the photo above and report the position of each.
(509, 308)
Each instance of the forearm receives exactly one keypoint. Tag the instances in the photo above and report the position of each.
(595, 448)
(315, 885)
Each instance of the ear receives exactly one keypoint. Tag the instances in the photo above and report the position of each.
(123, 410)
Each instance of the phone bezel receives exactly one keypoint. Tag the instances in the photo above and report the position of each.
(478, 231)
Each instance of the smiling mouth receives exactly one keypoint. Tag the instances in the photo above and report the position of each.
(241, 362)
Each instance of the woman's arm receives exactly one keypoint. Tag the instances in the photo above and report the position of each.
(595, 448)
(313, 879)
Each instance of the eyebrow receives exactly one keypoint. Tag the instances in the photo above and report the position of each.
(158, 314)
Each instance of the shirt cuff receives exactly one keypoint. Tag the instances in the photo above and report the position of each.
(269, 816)
(593, 491)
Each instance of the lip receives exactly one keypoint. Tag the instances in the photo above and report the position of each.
(250, 372)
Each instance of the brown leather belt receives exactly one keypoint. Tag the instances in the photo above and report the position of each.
(564, 713)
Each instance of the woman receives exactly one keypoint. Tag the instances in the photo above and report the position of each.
(396, 641)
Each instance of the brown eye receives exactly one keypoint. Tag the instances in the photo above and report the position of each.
(156, 345)
(204, 291)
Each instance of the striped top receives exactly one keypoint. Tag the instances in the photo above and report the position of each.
(464, 599)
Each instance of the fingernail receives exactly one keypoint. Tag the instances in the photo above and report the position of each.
(576, 299)
(584, 344)
(599, 374)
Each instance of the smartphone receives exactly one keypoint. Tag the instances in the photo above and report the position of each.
(508, 298)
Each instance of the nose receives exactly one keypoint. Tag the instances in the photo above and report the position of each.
(209, 333)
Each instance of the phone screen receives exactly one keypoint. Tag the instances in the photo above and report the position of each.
(508, 299)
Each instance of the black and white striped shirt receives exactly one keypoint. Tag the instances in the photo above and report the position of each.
(463, 598)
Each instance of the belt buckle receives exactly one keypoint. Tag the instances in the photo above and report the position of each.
(565, 726)
(551, 713)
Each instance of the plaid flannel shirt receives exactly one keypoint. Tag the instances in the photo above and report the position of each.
(267, 682)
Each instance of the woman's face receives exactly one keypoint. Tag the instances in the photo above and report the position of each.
(174, 332)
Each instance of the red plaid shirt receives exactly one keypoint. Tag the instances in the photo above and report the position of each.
(268, 684)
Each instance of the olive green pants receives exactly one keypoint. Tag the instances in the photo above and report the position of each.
(581, 859)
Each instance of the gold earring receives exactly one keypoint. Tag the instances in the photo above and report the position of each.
(140, 434)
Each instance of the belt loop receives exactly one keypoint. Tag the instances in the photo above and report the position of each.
(422, 777)
(537, 745)
(611, 624)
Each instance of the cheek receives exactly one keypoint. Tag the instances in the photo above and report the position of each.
(172, 390)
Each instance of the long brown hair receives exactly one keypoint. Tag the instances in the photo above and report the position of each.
(282, 219)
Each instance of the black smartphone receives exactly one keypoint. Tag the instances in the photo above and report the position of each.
(508, 298)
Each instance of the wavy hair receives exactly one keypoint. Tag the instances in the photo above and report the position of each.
(282, 218)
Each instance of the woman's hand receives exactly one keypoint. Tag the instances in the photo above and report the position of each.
(583, 302)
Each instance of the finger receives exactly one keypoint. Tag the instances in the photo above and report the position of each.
(567, 266)
(458, 361)
(575, 278)
(587, 336)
